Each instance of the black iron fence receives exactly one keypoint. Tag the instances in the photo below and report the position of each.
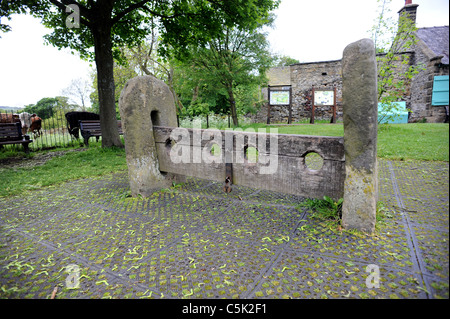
(52, 133)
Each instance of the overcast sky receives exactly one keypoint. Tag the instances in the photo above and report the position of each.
(306, 30)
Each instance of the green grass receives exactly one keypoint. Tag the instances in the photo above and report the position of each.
(313, 129)
(73, 165)
(414, 141)
(418, 141)
(424, 141)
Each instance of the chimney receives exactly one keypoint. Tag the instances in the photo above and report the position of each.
(410, 10)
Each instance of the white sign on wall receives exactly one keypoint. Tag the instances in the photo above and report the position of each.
(323, 97)
(279, 97)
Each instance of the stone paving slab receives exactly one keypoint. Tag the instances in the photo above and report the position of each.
(195, 241)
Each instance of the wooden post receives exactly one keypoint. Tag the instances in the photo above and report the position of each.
(268, 106)
(312, 106)
(333, 119)
(290, 106)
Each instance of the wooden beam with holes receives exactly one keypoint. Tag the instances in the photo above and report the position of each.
(280, 163)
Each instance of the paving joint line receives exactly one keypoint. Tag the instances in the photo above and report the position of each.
(244, 200)
(409, 232)
(116, 277)
(269, 269)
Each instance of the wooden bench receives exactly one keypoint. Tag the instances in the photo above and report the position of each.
(11, 133)
(91, 128)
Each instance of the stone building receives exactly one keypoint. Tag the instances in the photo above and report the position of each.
(431, 51)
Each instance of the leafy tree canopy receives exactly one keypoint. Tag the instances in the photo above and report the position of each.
(181, 22)
(234, 58)
(284, 60)
(46, 107)
(393, 39)
(96, 29)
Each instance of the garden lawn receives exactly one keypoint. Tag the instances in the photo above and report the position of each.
(418, 141)
(414, 141)
(424, 141)
(72, 165)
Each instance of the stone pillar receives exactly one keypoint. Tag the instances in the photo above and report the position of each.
(359, 95)
(145, 101)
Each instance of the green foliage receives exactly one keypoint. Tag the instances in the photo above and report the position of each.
(225, 73)
(63, 106)
(181, 23)
(122, 73)
(383, 31)
(197, 108)
(249, 98)
(383, 212)
(104, 27)
(325, 209)
(201, 21)
(198, 92)
(44, 108)
(48, 107)
(395, 71)
(284, 60)
(330, 211)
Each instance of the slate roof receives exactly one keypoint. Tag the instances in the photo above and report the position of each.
(436, 38)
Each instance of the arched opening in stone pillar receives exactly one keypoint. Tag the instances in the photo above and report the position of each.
(156, 118)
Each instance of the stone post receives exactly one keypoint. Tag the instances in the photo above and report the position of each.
(145, 101)
(359, 95)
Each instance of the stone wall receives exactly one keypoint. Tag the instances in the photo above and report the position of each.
(279, 76)
(321, 75)
(422, 88)
(303, 76)
(431, 52)
(327, 74)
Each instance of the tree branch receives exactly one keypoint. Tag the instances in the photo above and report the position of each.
(142, 5)
(154, 13)
(137, 5)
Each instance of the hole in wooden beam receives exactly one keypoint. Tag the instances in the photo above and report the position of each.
(215, 150)
(313, 161)
(251, 154)
(170, 143)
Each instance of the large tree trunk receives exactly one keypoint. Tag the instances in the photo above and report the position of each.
(232, 105)
(105, 75)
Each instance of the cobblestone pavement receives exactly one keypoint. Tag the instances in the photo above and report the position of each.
(89, 239)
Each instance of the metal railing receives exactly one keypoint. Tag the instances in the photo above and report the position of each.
(53, 132)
